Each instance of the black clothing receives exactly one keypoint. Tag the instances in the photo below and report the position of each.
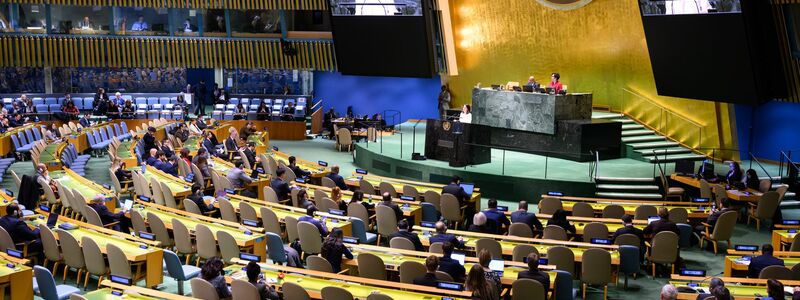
(537, 275)
(410, 236)
(563, 224)
(526, 218)
(334, 256)
(429, 279)
(281, 188)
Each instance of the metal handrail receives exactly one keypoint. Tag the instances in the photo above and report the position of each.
(661, 124)
(664, 108)
(789, 160)
(753, 158)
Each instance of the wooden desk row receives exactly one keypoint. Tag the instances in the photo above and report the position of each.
(421, 187)
(734, 265)
(693, 211)
(740, 288)
(748, 195)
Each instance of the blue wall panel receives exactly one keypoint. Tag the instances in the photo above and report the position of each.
(775, 125)
(414, 97)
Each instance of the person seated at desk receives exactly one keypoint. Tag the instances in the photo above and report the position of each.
(337, 179)
(153, 157)
(662, 224)
(248, 130)
(250, 153)
(197, 198)
(299, 172)
(240, 180)
(534, 273)
(169, 165)
(357, 198)
(279, 184)
(559, 218)
(455, 189)
(429, 279)
(479, 285)
(712, 285)
(127, 110)
(451, 266)
(187, 25)
(240, 113)
(86, 23)
(254, 277)
(288, 112)
(333, 249)
(121, 171)
(628, 228)
(167, 148)
(496, 218)
(263, 112)
(751, 180)
(19, 231)
(443, 237)
(762, 261)
(774, 290)
(713, 216)
(466, 114)
(523, 216)
(140, 25)
(302, 199)
(309, 217)
(213, 272)
(669, 292)
(555, 83)
(387, 201)
(98, 204)
(404, 231)
(531, 85)
(480, 224)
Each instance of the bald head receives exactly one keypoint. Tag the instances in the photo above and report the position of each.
(153, 152)
(440, 227)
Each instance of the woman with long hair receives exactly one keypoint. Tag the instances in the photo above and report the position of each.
(559, 219)
(734, 174)
(333, 248)
(484, 258)
(477, 284)
(212, 272)
(302, 199)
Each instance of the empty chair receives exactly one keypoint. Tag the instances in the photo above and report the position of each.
(183, 240)
(310, 238)
(645, 211)
(159, 229)
(490, 245)
(520, 230)
(527, 289)
(202, 289)
(206, 244)
(521, 251)
(387, 221)
(595, 230)
(294, 291)
(241, 289)
(371, 266)
(434, 198)
(776, 272)
(291, 228)
(378, 296)
(664, 250)
(410, 270)
(95, 263)
(401, 243)
(48, 288)
(561, 257)
(451, 209)
(411, 191)
(227, 246)
(227, 211)
(596, 269)
(319, 263)
(386, 187)
(73, 254)
(554, 232)
(764, 209)
(275, 249)
(549, 205)
(52, 252)
(613, 211)
(678, 215)
(270, 221)
(120, 266)
(335, 293)
(582, 209)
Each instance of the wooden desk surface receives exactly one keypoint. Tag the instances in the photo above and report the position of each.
(283, 211)
(740, 288)
(132, 290)
(398, 184)
(85, 187)
(18, 277)
(409, 208)
(748, 195)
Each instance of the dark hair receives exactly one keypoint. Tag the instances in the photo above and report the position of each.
(251, 144)
(387, 197)
(767, 249)
(151, 129)
(160, 153)
(279, 172)
(715, 282)
(195, 187)
(311, 210)
(533, 261)
(11, 208)
(523, 204)
(201, 151)
(469, 108)
(721, 293)
(292, 159)
(627, 219)
(455, 179)
(357, 196)
(185, 152)
(492, 203)
(775, 289)
(211, 269)
(447, 248)
(403, 224)
(559, 216)
(725, 202)
(484, 257)
(301, 194)
(476, 282)
(432, 263)
(253, 270)
(332, 242)
(556, 75)
(752, 174)
(238, 164)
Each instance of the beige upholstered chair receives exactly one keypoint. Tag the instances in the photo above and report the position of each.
(386, 187)
(764, 209)
(120, 266)
(270, 221)
(291, 228)
(328, 183)
(95, 262)
(73, 254)
(371, 266)
(139, 225)
(434, 198)
(679, 215)
(52, 252)
(318, 263)
(437, 248)
(387, 221)
(310, 238)
(491, 245)
(227, 211)
(335, 293)
(561, 257)
(169, 198)
(183, 240)
(410, 270)
(411, 192)
(554, 232)
(549, 205)
(294, 291)
(520, 230)
(243, 290)
(367, 188)
(521, 251)
(158, 228)
(451, 209)
(645, 211)
(613, 211)
(663, 250)
(401, 243)
(527, 289)
(247, 212)
(776, 272)
(582, 209)
(206, 243)
(202, 289)
(596, 269)
(723, 230)
(629, 240)
(594, 230)
(227, 246)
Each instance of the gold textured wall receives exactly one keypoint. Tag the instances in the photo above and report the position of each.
(599, 48)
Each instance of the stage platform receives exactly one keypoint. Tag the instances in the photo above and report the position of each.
(510, 176)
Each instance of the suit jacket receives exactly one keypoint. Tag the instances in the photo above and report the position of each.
(760, 262)
(334, 256)
(398, 213)
(456, 190)
(106, 215)
(661, 225)
(446, 237)
(630, 230)
(209, 145)
(169, 168)
(429, 279)
(299, 172)
(452, 267)
(410, 236)
(231, 145)
(238, 178)
(322, 229)
(152, 161)
(149, 143)
(537, 275)
(281, 188)
(498, 217)
(527, 218)
(19, 231)
(84, 122)
(251, 156)
(338, 180)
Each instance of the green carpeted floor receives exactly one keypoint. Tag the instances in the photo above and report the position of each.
(644, 287)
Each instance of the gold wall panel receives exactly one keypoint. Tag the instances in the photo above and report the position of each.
(599, 48)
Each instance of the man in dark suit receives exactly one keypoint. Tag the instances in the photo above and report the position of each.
(762, 261)
(209, 144)
(404, 231)
(534, 273)
(232, 146)
(429, 279)
(149, 140)
(629, 229)
(280, 186)
(197, 198)
(443, 237)
(496, 218)
(296, 169)
(449, 265)
(455, 189)
(387, 201)
(713, 284)
(713, 216)
(20, 232)
(200, 98)
(309, 217)
(663, 224)
(523, 216)
(337, 179)
(98, 204)
(152, 157)
(84, 121)
(250, 153)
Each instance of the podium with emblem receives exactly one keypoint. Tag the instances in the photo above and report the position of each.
(460, 144)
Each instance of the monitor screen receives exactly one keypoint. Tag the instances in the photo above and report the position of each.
(44, 208)
(502, 208)
(428, 224)
(750, 248)
(468, 188)
(496, 265)
(9, 192)
(14, 253)
(555, 194)
(52, 219)
(407, 198)
(700, 200)
(791, 222)
(458, 257)
(322, 163)
(350, 240)
(690, 272)
(147, 235)
(249, 257)
(454, 286)
(128, 205)
(600, 241)
(336, 212)
(652, 219)
(361, 171)
(684, 166)
(248, 222)
(300, 180)
(145, 199)
(121, 280)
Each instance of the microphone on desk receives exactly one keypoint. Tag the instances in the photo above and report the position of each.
(686, 289)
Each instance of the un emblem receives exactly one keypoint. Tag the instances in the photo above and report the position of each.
(446, 126)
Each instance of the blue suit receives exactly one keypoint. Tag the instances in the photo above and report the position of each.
(322, 229)
(760, 262)
(446, 237)
(527, 218)
(452, 267)
(498, 217)
(338, 180)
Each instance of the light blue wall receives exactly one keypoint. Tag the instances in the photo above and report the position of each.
(415, 98)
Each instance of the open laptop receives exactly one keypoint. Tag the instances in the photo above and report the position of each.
(684, 167)
(52, 219)
(497, 266)
(468, 188)
(458, 257)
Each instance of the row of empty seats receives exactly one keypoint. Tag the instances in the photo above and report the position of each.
(76, 162)
(274, 107)
(23, 139)
(100, 138)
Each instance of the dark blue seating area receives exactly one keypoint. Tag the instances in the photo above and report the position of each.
(226, 111)
(100, 138)
(23, 140)
(71, 159)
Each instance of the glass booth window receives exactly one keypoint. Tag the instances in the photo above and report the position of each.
(215, 23)
(255, 22)
(185, 22)
(81, 19)
(31, 19)
(140, 21)
(308, 20)
(376, 8)
(5, 24)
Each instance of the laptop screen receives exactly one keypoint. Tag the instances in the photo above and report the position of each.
(128, 205)
(52, 219)
(468, 188)
(458, 257)
(350, 240)
(497, 266)
(652, 219)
